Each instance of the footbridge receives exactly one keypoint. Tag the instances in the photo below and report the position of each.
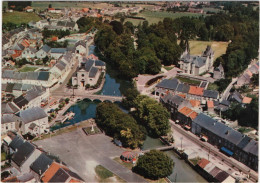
(166, 148)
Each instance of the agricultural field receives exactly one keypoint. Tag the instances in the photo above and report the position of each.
(40, 5)
(197, 47)
(18, 17)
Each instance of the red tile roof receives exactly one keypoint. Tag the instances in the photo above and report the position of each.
(51, 171)
(194, 90)
(85, 9)
(203, 162)
(54, 38)
(51, 9)
(210, 104)
(247, 100)
(182, 95)
(193, 115)
(195, 103)
(186, 111)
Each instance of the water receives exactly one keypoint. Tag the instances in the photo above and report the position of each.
(183, 171)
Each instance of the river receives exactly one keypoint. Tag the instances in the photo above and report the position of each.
(86, 109)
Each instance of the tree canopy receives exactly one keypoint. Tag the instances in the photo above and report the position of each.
(120, 125)
(154, 165)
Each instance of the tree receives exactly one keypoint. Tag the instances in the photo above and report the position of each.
(67, 100)
(255, 79)
(152, 115)
(117, 27)
(154, 165)
(50, 6)
(130, 96)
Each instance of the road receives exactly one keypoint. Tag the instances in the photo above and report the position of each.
(215, 151)
(227, 90)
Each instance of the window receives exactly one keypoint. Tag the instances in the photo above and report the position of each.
(82, 75)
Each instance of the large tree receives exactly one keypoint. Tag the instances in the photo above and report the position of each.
(154, 165)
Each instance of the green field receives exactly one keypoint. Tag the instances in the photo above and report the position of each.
(27, 69)
(17, 17)
(197, 47)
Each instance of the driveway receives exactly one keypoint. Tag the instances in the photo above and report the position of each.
(82, 153)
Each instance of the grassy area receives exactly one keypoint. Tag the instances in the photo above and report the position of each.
(168, 67)
(197, 47)
(41, 5)
(244, 130)
(3, 156)
(102, 172)
(156, 16)
(18, 17)
(27, 69)
(195, 160)
(162, 180)
(212, 86)
(188, 81)
(127, 165)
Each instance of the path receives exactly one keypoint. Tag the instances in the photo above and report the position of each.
(227, 90)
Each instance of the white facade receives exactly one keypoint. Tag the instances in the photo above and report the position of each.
(41, 54)
(28, 53)
(13, 126)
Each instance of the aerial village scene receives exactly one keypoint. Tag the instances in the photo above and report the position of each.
(130, 91)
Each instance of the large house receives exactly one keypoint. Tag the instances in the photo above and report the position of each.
(9, 123)
(34, 121)
(57, 52)
(88, 73)
(43, 52)
(29, 53)
(196, 65)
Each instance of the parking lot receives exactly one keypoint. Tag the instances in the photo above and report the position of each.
(82, 153)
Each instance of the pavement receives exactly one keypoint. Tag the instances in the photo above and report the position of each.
(191, 143)
(82, 153)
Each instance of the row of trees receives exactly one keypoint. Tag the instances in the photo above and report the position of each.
(59, 33)
(120, 125)
(18, 5)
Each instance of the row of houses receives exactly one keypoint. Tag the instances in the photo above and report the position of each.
(231, 142)
(212, 172)
(55, 24)
(189, 92)
(32, 164)
(245, 78)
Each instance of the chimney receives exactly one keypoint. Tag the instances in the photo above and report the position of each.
(214, 124)
(40, 171)
(16, 150)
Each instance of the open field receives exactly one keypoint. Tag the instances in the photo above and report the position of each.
(27, 69)
(197, 47)
(17, 17)
(41, 5)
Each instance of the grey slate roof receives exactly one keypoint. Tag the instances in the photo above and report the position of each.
(60, 66)
(236, 96)
(7, 118)
(9, 108)
(93, 72)
(43, 75)
(59, 176)
(208, 51)
(173, 99)
(244, 142)
(184, 88)
(32, 114)
(26, 87)
(210, 94)
(41, 164)
(100, 63)
(20, 101)
(17, 86)
(252, 147)
(33, 93)
(88, 65)
(46, 48)
(23, 153)
(196, 60)
(4, 85)
(16, 142)
(9, 87)
(168, 84)
(58, 50)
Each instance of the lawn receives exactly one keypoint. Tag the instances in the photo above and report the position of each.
(195, 160)
(18, 17)
(3, 156)
(168, 67)
(105, 175)
(212, 86)
(188, 81)
(28, 69)
(197, 47)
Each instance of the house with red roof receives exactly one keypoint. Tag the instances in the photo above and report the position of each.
(185, 117)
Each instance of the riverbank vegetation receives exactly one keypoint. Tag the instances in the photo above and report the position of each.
(119, 125)
(154, 165)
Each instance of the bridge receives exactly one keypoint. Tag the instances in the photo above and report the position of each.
(89, 96)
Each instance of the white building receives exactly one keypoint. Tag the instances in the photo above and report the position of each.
(43, 52)
(88, 73)
(29, 53)
(196, 65)
(9, 122)
(34, 121)
(57, 52)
